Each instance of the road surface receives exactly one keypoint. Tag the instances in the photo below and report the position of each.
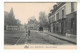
(37, 37)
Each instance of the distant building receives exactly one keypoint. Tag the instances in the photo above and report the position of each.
(32, 26)
(63, 18)
(12, 28)
(15, 28)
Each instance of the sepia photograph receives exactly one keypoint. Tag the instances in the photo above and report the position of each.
(40, 25)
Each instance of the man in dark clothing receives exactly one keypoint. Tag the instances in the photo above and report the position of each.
(28, 32)
(28, 35)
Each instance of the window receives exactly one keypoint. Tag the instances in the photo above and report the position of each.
(72, 6)
(49, 20)
(72, 22)
(53, 18)
(57, 16)
(63, 13)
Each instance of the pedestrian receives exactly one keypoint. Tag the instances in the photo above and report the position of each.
(28, 34)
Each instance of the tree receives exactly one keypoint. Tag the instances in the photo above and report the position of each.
(32, 20)
(32, 23)
(43, 19)
(6, 18)
(9, 18)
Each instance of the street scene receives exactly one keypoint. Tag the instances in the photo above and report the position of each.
(40, 23)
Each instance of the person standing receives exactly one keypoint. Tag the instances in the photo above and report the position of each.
(28, 34)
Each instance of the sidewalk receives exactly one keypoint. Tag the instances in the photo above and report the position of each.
(69, 39)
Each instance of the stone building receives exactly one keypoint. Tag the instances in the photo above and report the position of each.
(62, 18)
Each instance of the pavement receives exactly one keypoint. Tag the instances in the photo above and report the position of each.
(36, 37)
(69, 39)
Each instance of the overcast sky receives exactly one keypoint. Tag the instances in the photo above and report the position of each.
(23, 11)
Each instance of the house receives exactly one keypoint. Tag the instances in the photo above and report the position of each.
(63, 18)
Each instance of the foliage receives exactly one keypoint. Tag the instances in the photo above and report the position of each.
(9, 19)
(32, 20)
(43, 21)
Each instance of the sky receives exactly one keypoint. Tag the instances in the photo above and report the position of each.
(23, 11)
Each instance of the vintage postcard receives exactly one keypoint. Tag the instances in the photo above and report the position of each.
(40, 25)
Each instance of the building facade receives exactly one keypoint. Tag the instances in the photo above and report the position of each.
(12, 28)
(62, 18)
